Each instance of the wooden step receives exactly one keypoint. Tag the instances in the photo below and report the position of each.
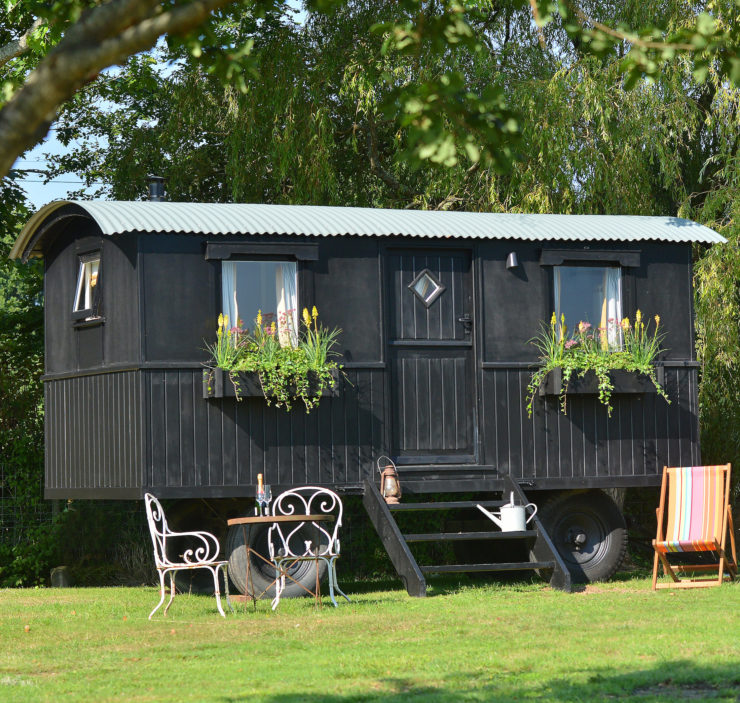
(507, 566)
(461, 536)
(446, 505)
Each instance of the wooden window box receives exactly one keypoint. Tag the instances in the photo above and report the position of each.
(217, 384)
(624, 382)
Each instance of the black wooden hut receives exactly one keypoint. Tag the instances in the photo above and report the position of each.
(436, 311)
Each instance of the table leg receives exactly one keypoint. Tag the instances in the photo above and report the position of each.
(248, 582)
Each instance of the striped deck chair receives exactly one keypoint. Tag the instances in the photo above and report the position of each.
(698, 512)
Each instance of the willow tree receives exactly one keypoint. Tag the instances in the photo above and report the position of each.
(319, 123)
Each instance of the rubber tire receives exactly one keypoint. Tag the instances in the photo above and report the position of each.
(263, 573)
(595, 515)
(192, 516)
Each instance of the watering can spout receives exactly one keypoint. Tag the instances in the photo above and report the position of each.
(489, 514)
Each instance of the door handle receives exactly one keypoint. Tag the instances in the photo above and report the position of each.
(467, 322)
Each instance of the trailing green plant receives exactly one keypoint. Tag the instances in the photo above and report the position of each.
(619, 345)
(291, 365)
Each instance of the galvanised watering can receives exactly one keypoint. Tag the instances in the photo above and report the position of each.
(512, 517)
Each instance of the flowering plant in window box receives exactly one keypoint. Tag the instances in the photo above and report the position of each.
(284, 365)
(619, 357)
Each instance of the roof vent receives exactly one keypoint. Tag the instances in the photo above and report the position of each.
(156, 189)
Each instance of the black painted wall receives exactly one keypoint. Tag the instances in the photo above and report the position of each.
(125, 411)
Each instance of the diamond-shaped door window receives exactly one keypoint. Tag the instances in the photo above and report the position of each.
(426, 287)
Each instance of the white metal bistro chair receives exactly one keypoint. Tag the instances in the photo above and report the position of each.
(288, 540)
(202, 553)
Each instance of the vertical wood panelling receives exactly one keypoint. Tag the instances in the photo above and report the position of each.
(642, 434)
(93, 432)
(95, 439)
(335, 443)
(434, 401)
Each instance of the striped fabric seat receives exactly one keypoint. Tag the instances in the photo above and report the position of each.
(694, 516)
(696, 496)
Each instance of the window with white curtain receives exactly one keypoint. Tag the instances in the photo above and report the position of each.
(249, 287)
(593, 295)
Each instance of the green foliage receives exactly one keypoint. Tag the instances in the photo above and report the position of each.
(25, 551)
(290, 365)
(627, 347)
(709, 36)
(319, 126)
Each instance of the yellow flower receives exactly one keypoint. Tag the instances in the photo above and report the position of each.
(657, 320)
(306, 317)
(314, 312)
(226, 321)
(259, 318)
(638, 317)
(221, 320)
(625, 323)
(274, 327)
(553, 320)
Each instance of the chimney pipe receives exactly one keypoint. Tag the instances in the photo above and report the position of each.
(156, 188)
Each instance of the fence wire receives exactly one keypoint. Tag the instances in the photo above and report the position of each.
(17, 515)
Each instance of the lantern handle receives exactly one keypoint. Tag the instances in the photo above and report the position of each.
(387, 465)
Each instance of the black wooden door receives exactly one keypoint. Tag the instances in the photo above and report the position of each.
(431, 356)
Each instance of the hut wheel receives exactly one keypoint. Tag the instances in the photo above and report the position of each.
(589, 531)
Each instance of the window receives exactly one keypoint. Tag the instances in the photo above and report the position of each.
(593, 295)
(426, 287)
(87, 293)
(267, 286)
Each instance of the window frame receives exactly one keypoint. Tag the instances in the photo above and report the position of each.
(589, 264)
(263, 257)
(91, 315)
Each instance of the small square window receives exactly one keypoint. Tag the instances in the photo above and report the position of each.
(426, 287)
(266, 287)
(591, 295)
(87, 292)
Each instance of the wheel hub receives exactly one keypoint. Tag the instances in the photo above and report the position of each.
(577, 537)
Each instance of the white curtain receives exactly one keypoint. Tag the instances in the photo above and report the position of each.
(228, 292)
(287, 307)
(613, 305)
(557, 299)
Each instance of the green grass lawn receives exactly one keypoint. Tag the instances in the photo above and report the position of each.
(467, 641)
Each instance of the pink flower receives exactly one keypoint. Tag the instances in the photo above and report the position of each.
(570, 343)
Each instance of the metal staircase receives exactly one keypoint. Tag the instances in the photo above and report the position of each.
(412, 574)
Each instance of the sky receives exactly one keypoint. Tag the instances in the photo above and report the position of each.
(38, 193)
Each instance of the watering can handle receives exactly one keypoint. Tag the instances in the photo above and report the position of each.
(534, 512)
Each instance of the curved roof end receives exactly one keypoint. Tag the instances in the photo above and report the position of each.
(27, 244)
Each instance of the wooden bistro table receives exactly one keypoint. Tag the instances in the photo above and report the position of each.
(279, 571)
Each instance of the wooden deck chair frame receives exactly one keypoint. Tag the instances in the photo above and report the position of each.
(710, 539)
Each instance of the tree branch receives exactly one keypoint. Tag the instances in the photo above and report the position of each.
(19, 46)
(387, 178)
(626, 36)
(106, 36)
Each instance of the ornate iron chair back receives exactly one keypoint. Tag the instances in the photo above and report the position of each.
(308, 500)
(289, 541)
(201, 553)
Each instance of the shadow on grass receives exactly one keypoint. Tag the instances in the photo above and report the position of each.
(667, 681)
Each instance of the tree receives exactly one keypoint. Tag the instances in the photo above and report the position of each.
(319, 131)
(49, 53)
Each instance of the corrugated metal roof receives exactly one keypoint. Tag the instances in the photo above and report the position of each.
(115, 217)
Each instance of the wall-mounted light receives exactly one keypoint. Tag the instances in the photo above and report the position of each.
(512, 260)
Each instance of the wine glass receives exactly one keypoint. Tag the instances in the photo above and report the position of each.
(266, 498)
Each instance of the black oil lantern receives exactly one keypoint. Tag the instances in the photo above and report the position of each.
(390, 486)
